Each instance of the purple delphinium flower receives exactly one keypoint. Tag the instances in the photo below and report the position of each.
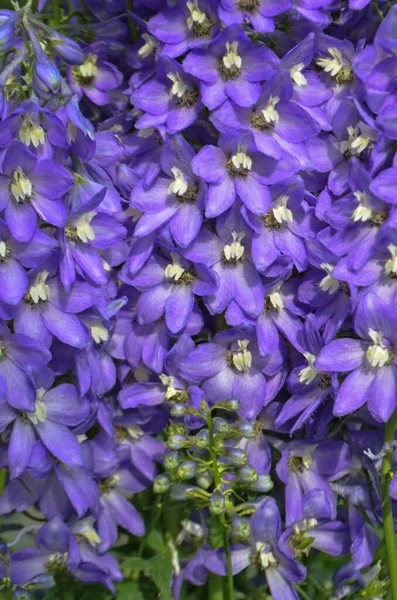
(47, 310)
(177, 102)
(281, 228)
(184, 26)
(96, 76)
(309, 386)
(169, 287)
(306, 465)
(279, 566)
(317, 530)
(234, 168)
(275, 121)
(56, 547)
(370, 361)
(259, 13)
(231, 367)
(176, 198)
(30, 188)
(20, 356)
(232, 68)
(54, 411)
(228, 255)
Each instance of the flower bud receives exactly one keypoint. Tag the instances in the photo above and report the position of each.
(241, 529)
(7, 32)
(171, 460)
(187, 469)
(205, 479)
(46, 77)
(248, 474)
(177, 441)
(263, 484)
(67, 49)
(237, 457)
(4, 552)
(202, 439)
(161, 484)
(178, 410)
(217, 503)
(221, 426)
(179, 491)
(232, 404)
(246, 430)
(19, 593)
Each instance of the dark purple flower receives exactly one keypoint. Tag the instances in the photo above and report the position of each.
(232, 68)
(184, 26)
(279, 566)
(96, 76)
(29, 188)
(370, 361)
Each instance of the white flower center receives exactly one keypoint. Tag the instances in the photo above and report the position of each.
(82, 224)
(267, 557)
(234, 251)
(304, 525)
(391, 264)
(307, 461)
(275, 298)
(135, 432)
(241, 160)
(146, 132)
(196, 15)
(281, 212)
(179, 186)
(309, 373)
(377, 354)
(363, 212)
(242, 358)
(332, 65)
(174, 270)
(148, 47)
(85, 528)
(30, 133)
(98, 331)
(297, 76)
(40, 413)
(328, 283)
(168, 383)
(40, 290)
(232, 59)
(179, 88)
(356, 143)
(269, 113)
(3, 249)
(88, 68)
(21, 186)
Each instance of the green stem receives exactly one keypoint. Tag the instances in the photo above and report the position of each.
(230, 583)
(378, 10)
(3, 478)
(217, 480)
(388, 522)
(57, 12)
(131, 22)
(215, 587)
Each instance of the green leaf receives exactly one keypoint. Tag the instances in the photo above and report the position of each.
(128, 590)
(161, 570)
(155, 541)
(135, 563)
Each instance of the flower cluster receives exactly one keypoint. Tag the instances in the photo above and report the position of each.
(198, 291)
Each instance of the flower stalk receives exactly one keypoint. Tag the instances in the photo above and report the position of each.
(387, 512)
(217, 480)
